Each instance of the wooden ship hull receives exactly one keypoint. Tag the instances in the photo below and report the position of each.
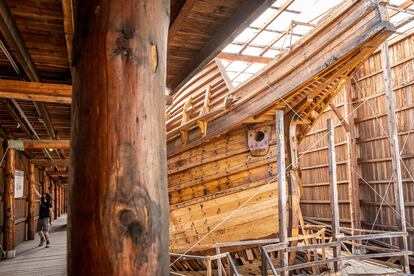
(221, 140)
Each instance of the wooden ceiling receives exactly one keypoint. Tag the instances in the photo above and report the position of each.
(36, 42)
(201, 30)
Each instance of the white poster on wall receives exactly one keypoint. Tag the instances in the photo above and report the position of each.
(18, 183)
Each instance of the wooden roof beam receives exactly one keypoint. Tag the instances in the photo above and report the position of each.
(58, 173)
(48, 163)
(241, 20)
(36, 91)
(39, 144)
(39, 91)
(67, 9)
(245, 58)
(14, 40)
(179, 20)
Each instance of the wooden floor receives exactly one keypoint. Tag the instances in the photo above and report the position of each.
(34, 260)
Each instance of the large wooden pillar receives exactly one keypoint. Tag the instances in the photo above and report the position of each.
(59, 196)
(9, 212)
(118, 216)
(64, 199)
(31, 203)
(52, 188)
(45, 182)
(395, 153)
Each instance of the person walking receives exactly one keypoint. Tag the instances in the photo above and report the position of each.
(45, 218)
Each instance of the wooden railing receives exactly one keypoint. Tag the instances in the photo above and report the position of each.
(315, 248)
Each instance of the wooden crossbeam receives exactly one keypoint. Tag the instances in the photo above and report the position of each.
(39, 144)
(341, 118)
(58, 173)
(48, 163)
(36, 91)
(39, 91)
(245, 58)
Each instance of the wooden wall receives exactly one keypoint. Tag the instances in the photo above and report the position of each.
(21, 204)
(374, 163)
(209, 182)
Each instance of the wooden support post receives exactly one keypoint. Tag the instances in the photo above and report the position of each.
(53, 193)
(264, 262)
(31, 203)
(294, 193)
(352, 164)
(57, 200)
(281, 184)
(395, 152)
(60, 200)
(219, 263)
(65, 201)
(209, 268)
(9, 227)
(333, 192)
(45, 182)
(118, 143)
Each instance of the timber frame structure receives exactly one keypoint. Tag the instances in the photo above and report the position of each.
(190, 143)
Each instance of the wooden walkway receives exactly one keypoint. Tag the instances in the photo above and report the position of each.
(40, 261)
(34, 260)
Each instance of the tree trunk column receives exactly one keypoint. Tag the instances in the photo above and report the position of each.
(59, 196)
(31, 203)
(9, 227)
(45, 182)
(118, 216)
(53, 192)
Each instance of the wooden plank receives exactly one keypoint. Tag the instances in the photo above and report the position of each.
(9, 206)
(395, 152)
(245, 58)
(341, 118)
(294, 194)
(351, 150)
(281, 185)
(124, 57)
(224, 74)
(333, 192)
(36, 91)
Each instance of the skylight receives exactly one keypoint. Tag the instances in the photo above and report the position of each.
(283, 25)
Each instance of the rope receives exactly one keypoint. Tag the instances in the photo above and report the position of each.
(261, 188)
(274, 178)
